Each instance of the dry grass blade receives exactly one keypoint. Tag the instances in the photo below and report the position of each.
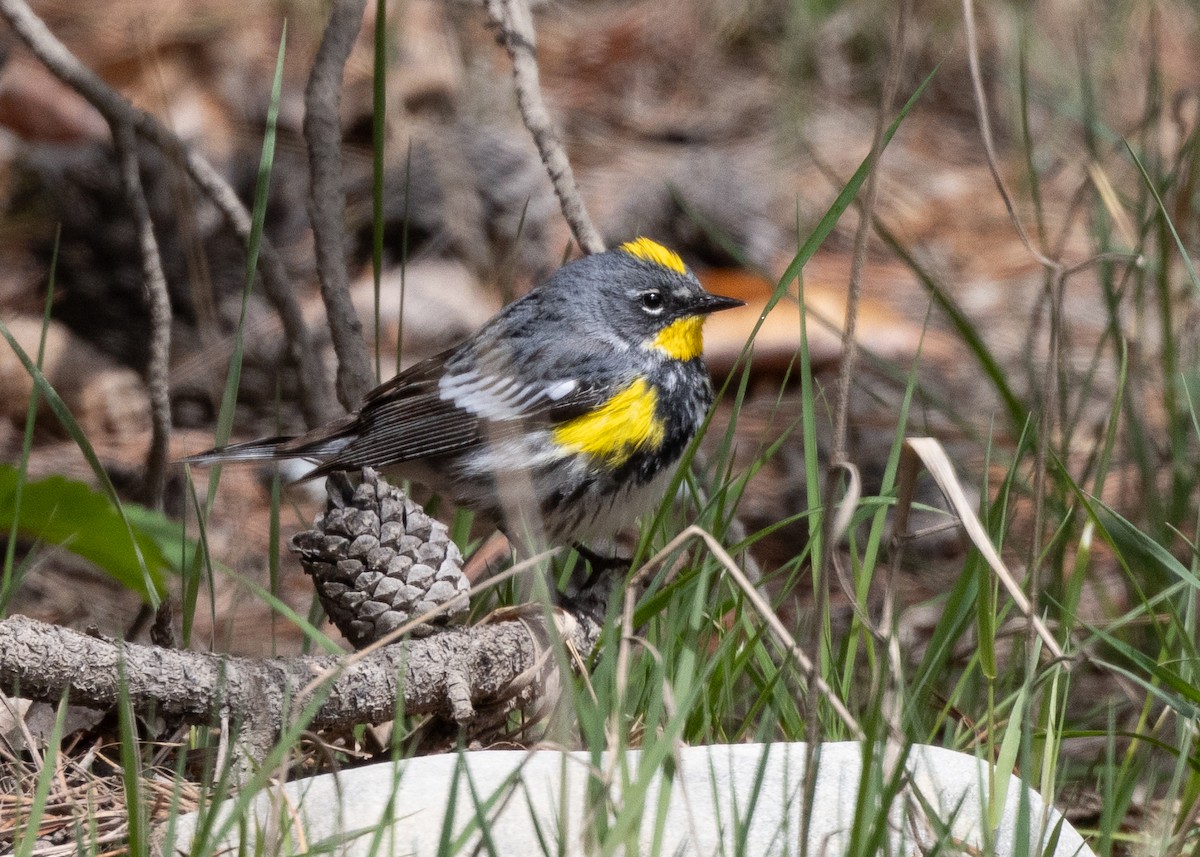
(781, 634)
(930, 452)
(1112, 203)
(985, 132)
(843, 513)
(86, 812)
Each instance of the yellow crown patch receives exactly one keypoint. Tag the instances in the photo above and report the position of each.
(655, 253)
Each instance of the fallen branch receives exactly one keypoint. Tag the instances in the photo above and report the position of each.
(362, 557)
(458, 673)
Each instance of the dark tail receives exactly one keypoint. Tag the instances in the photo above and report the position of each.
(263, 449)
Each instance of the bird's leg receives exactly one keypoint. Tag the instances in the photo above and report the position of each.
(590, 599)
(339, 488)
(600, 566)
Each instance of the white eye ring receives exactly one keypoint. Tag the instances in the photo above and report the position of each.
(652, 302)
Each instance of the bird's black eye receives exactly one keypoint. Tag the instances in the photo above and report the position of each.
(652, 302)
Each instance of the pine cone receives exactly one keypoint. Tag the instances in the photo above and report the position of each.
(378, 560)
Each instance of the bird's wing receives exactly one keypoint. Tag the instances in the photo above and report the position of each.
(440, 408)
(500, 398)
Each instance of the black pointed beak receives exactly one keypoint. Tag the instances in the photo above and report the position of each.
(715, 303)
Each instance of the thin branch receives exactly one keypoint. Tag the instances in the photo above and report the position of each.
(517, 34)
(862, 235)
(314, 393)
(327, 199)
(154, 285)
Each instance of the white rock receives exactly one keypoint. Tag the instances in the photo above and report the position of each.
(730, 799)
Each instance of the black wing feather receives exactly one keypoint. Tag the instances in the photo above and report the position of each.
(406, 419)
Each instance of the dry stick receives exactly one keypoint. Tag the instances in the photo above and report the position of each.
(516, 31)
(449, 674)
(314, 393)
(327, 198)
(154, 284)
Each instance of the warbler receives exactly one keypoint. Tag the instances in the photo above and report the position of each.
(561, 420)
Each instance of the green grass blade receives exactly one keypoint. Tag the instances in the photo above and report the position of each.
(253, 245)
(8, 580)
(1162, 208)
(149, 585)
(131, 768)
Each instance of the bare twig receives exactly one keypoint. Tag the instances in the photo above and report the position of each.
(327, 198)
(117, 110)
(154, 284)
(862, 235)
(517, 34)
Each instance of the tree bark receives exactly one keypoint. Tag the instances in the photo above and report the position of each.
(454, 673)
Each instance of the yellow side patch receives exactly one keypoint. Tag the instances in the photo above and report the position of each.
(681, 339)
(618, 428)
(652, 251)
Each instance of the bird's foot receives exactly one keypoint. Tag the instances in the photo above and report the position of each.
(601, 567)
(591, 596)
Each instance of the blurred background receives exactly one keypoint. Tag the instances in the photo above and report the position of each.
(724, 130)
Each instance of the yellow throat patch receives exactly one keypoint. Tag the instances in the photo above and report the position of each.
(618, 428)
(655, 253)
(682, 339)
